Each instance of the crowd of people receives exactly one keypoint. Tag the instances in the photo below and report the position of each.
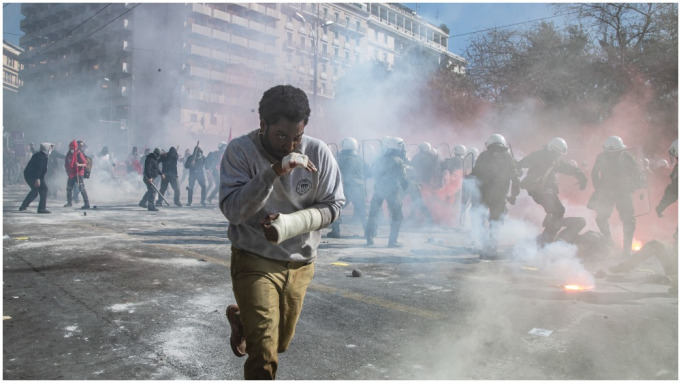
(157, 168)
(278, 188)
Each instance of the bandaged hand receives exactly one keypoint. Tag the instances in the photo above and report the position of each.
(296, 160)
(280, 227)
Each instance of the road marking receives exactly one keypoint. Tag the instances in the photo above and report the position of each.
(324, 288)
(376, 301)
(192, 254)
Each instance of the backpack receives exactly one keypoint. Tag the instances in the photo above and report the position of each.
(88, 166)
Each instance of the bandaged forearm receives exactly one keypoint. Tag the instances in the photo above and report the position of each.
(300, 222)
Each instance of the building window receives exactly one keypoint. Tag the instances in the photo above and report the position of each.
(358, 24)
(289, 37)
(336, 17)
(323, 67)
(302, 41)
(347, 21)
(336, 52)
(325, 49)
(326, 12)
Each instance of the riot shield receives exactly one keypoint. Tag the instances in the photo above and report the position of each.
(370, 149)
(466, 186)
(444, 150)
(334, 148)
(412, 149)
(641, 196)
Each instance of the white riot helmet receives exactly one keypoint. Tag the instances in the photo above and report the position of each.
(222, 145)
(459, 150)
(614, 144)
(557, 145)
(674, 149)
(475, 152)
(662, 164)
(425, 147)
(349, 143)
(496, 138)
(396, 143)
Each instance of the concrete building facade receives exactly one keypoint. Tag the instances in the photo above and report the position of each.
(153, 68)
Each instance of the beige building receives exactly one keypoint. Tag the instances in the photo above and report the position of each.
(11, 66)
(154, 68)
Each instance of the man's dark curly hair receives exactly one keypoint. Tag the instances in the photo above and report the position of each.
(284, 101)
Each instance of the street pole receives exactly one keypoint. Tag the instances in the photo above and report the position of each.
(108, 88)
(315, 49)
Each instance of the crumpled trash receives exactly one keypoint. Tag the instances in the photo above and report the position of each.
(540, 332)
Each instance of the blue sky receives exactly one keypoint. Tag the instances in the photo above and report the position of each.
(460, 18)
(465, 18)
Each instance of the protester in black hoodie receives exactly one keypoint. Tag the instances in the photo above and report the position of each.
(169, 175)
(34, 174)
(150, 173)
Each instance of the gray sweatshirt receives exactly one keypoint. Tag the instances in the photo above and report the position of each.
(250, 190)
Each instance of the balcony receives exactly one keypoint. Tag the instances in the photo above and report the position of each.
(200, 51)
(258, 27)
(220, 35)
(238, 80)
(203, 9)
(217, 98)
(219, 76)
(237, 40)
(220, 56)
(199, 72)
(220, 15)
(257, 7)
(240, 21)
(272, 12)
(256, 45)
(201, 30)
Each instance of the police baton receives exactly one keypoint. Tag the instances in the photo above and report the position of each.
(159, 193)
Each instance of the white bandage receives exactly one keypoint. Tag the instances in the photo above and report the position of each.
(300, 222)
(293, 160)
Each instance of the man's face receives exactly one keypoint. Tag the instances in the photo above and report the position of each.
(282, 137)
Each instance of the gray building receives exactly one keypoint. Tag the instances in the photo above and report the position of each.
(134, 74)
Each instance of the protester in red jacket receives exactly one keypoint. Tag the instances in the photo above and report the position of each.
(75, 163)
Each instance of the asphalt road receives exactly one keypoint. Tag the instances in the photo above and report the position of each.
(117, 292)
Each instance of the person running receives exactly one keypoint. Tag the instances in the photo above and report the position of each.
(278, 188)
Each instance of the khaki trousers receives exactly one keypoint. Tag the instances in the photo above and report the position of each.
(270, 296)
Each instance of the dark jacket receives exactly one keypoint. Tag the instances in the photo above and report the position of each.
(195, 163)
(169, 163)
(151, 170)
(495, 171)
(671, 192)
(36, 168)
(542, 166)
(390, 174)
(617, 172)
